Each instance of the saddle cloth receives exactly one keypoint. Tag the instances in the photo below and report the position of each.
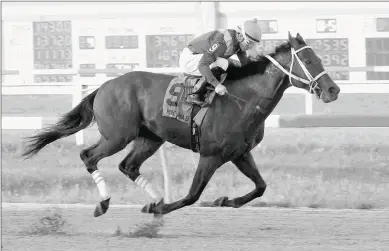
(175, 106)
(174, 103)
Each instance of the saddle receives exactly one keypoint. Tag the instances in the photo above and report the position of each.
(176, 105)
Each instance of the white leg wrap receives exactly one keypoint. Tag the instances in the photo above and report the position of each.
(147, 186)
(100, 184)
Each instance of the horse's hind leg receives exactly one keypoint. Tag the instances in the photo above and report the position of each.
(247, 166)
(141, 150)
(91, 156)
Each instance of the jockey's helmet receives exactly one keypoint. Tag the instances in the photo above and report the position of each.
(251, 31)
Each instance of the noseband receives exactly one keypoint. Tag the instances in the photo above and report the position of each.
(311, 81)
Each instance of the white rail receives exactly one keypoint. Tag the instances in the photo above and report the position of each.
(77, 90)
(82, 85)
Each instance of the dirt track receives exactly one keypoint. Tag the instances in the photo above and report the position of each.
(200, 229)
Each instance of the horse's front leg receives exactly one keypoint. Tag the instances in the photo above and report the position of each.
(247, 166)
(206, 168)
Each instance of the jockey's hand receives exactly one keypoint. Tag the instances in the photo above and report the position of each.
(221, 89)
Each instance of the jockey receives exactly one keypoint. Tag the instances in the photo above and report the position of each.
(213, 49)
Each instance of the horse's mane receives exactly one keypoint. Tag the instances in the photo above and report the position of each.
(256, 65)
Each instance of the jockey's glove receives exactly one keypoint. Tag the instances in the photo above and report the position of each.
(220, 89)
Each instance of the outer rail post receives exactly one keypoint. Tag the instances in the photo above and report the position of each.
(308, 103)
(166, 176)
(77, 97)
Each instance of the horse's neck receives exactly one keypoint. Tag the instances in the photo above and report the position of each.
(276, 81)
(271, 85)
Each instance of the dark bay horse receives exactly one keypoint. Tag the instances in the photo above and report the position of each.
(129, 109)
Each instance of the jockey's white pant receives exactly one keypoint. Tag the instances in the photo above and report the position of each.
(189, 63)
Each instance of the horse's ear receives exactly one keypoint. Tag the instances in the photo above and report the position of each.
(292, 40)
(300, 39)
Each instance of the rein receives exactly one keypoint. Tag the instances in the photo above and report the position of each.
(311, 80)
(231, 95)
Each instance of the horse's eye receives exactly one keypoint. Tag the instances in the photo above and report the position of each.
(308, 61)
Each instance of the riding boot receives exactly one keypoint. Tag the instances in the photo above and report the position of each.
(200, 86)
(196, 99)
(197, 96)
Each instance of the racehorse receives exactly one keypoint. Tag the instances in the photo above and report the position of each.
(129, 109)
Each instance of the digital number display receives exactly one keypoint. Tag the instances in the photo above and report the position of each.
(121, 42)
(268, 26)
(267, 46)
(377, 54)
(382, 24)
(164, 50)
(87, 66)
(129, 67)
(52, 27)
(326, 25)
(334, 52)
(52, 43)
(86, 42)
(52, 78)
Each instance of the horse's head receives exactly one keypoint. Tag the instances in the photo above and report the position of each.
(306, 65)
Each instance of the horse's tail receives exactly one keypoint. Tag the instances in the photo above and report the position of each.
(77, 119)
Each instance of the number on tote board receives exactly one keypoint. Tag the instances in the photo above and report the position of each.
(334, 59)
(171, 40)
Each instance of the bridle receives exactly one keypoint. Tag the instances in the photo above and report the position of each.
(311, 82)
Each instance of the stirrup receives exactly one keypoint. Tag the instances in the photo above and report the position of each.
(195, 99)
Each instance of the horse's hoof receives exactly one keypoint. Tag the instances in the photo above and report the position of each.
(148, 208)
(152, 208)
(221, 202)
(158, 216)
(101, 208)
